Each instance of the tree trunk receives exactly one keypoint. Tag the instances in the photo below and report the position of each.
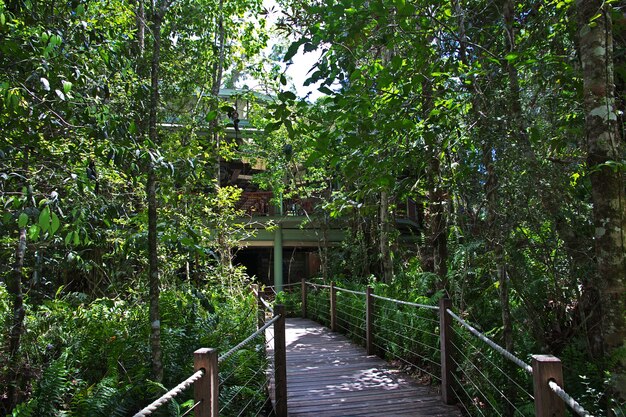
(385, 252)
(153, 256)
(517, 129)
(607, 187)
(218, 69)
(14, 288)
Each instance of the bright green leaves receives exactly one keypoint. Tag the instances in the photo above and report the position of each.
(72, 238)
(67, 86)
(512, 57)
(49, 221)
(22, 220)
(211, 116)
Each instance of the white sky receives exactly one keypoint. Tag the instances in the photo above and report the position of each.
(302, 63)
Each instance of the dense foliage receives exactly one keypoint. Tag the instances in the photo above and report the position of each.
(503, 121)
(499, 122)
(94, 167)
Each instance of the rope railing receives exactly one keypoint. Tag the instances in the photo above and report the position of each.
(406, 303)
(208, 382)
(248, 339)
(351, 291)
(493, 344)
(257, 294)
(152, 407)
(546, 370)
(572, 403)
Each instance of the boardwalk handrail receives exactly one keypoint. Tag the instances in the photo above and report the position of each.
(572, 403)
(492, 344)
(546, 369)
(152, 407)
(206, 381)
(406, 303)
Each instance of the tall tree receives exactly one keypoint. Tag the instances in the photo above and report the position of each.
(605, 153)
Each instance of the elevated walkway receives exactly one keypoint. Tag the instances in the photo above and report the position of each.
(327, 375)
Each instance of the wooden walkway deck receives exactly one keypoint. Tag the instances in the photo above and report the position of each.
(327, 375)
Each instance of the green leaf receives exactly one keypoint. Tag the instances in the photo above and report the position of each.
(68, 237)
(286, 95)
(55, 224)
(511, 57)
(293, 49)
(23, 220)
(271, 127)
(326, 90)
(283, 80)
(44, 219)
(211, 115)
(33, 232)
(67, 86)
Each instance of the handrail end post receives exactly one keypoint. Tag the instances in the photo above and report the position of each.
(333, 307)
(206, 389)
(445, 335)
(369, 321)
(303, 293)
(280, 362)
(545, 369)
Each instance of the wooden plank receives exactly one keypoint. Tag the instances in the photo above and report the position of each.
(327, 375)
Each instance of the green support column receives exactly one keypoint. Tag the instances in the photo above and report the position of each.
(278, 250)
(278, 258)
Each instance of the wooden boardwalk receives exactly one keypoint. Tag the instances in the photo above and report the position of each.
(327, 375)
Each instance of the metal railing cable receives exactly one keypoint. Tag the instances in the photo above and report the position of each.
(238, 368)
(351, 322)
(397, 323)
(493, 344)
(407, 362)
(419, 342)
(239, 389)
(478, 352)
(406, 303)
(404, 344)
(247, 340)
(473, 383)
(567, 399)
(152, 407)
(461, 403)
(482, 374)
(193, 407)
(473, 400)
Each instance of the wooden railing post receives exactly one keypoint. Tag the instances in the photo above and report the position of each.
(547, 403)
(280, 362)
(369, 321)
(303, 292)
(333, 307)
(445, 335)
(206, 389)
